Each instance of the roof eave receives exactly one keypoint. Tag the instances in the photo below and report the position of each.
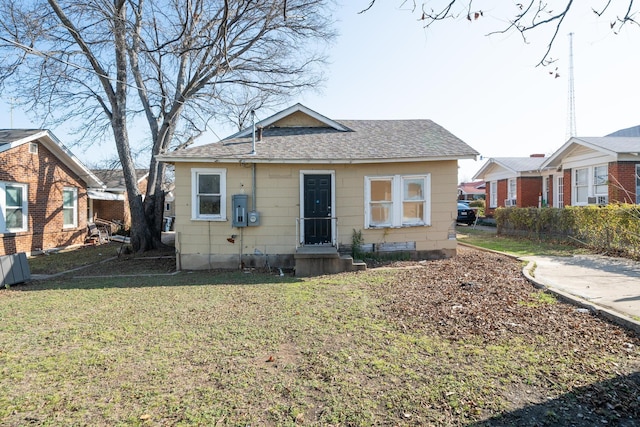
(248, 159)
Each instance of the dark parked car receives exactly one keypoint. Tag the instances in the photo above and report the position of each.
(466, 215)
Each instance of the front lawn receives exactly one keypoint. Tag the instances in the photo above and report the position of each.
(465, 341)
(516, 246)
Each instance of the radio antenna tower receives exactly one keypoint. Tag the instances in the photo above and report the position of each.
(571, 107)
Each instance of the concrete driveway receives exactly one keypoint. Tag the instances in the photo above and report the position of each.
(606, 282)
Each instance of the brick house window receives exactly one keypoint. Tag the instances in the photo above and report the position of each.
(13, 203)
(512, 188)
(581, 186)
(600, 180)
(209, 194)
(560, 192)
(493, 194)
(70, 207)
(397, 201)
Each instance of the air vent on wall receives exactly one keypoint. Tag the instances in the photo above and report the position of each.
(33, 148)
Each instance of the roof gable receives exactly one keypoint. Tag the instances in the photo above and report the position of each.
(510, 165)
(11, 138)
(618, 147)
(114, 178)
(295, 116)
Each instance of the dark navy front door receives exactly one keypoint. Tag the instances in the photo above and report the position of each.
(317, 209)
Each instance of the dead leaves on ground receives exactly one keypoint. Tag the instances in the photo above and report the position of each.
(482, 295)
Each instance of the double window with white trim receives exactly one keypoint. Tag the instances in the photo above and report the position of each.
(590, 182)
(397, 201)
(209, 194)
(13, 207)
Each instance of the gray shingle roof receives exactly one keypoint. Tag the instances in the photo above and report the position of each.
(114, 178)
(366, 140)
(8, 136)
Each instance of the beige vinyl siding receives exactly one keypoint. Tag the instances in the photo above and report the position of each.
(278, 201)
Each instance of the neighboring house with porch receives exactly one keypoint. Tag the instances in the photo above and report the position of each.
(596, 170)
(471, 190)
(43, 193)
(515, 181)
(297, 191)
(112, 203)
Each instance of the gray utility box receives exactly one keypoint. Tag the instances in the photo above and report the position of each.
(14, 269)
(239, 210)
(253, 218)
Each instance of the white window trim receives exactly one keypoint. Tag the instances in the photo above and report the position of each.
(3, 207)
(574, 186)
(493, 194)
(75, 207)
(559, 191)
(397, 199)
(590, 184)
(606, 184)
(195, 215)
(512, 193)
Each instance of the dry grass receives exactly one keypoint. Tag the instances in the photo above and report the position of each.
(431, 343)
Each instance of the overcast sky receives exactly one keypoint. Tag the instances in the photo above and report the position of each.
(485, 90)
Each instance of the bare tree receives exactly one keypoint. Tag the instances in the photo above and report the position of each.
(527, 15)
(165, 65)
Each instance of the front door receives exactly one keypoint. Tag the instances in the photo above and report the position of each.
(317, 209)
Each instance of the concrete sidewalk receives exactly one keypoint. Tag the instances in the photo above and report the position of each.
(610, 286)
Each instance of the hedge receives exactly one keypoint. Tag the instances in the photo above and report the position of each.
(611, 228)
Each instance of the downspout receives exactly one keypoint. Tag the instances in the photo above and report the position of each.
(253, 168)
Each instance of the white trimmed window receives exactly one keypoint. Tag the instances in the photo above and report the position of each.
(397, 201)
(493, 194)
(600, 180)
(209, 194)
(13, 204)
(560, 192)
(70, 207)
(512, 188)
(581, 186)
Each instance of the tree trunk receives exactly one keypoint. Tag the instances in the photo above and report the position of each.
(141, 238)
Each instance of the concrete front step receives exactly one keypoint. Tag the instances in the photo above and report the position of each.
(319, 260)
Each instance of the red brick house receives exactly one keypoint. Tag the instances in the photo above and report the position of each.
(597, 170)
(471, 190)
(43, 192)
(112, 203)
(515, 181)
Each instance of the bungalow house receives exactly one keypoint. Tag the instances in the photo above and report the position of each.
(514, 181)
(303, 186)
(112, 204)
(43, 192)
(597, 170)
(471, 190)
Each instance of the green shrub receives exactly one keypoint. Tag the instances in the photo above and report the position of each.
(480, 204)
(611, 228)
